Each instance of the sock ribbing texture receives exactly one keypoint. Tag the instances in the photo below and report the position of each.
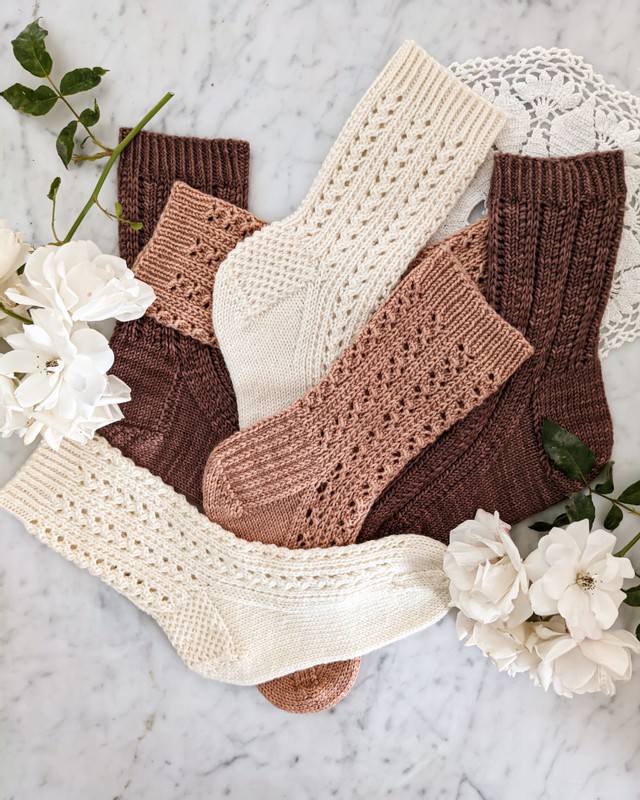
(554, 229)
(150, 164)
(290, 298)
(235, 611)
(181, 390)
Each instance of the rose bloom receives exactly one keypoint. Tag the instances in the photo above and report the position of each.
(509, 649)
(487, 578)
(82, 283)
(583, 666)
(574, 573)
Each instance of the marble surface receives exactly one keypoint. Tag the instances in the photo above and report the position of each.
(93, 700)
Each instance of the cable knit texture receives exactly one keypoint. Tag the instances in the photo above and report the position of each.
(235, 611)
(182, 402)
(556, 105)
(153, 161)
(293, 296)
(554, 230)
(307, 476)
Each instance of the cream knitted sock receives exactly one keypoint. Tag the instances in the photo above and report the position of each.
(235, 611)
(292, 296)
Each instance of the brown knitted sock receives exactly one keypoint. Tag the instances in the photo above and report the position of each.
(153, 161)
(555, 225)
(182, 402)
(307, 476)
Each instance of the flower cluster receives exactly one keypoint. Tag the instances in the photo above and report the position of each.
(53, 379)
(549, 615)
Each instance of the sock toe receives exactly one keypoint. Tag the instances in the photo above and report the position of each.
(311, 690)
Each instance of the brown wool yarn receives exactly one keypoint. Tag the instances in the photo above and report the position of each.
(152, 162)
(183, 402)
(554, 230)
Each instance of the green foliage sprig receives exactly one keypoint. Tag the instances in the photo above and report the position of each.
(30, 51)
(576, 460)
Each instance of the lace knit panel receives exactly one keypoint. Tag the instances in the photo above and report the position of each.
(195, 234)
(221, 600)
(557, 106)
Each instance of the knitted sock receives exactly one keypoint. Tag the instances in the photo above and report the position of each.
(290, 298)
(236, 611)
(555, 225)
(307, 476)
(182, 402)
(152, 162)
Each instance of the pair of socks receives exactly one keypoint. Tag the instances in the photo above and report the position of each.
(544, 259)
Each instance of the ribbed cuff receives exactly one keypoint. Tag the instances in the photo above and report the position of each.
(558, 181)
(194, 235)
(153, 161)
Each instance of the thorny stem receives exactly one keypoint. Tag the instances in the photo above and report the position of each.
(112, 160)
(76, 115)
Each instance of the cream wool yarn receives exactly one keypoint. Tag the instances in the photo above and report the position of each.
(235, 611)
(291, 297)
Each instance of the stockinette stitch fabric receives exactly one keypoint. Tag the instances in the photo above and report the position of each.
(235, 611)
(152, 162)
(290, 298)
(554, 230)
(182, 402)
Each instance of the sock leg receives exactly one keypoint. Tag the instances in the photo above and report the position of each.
(554, 231)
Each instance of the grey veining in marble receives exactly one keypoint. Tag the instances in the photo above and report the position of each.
(94, 703)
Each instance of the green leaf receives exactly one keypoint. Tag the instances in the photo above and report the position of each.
(90, 116)
(541, 526)
(135, 226)
(580, 506)
(631, 494)
(118, 210)
(606, 487)
(613, 518)
(64, 142)
(638, 632)
(567, 452)
(561, 519)
(81, 80)
(30, 50)
(53, 189)
(633, 596)
(30, 101)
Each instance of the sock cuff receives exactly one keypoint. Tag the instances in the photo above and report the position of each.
(194, 235)
(558, 181)
(153, 161)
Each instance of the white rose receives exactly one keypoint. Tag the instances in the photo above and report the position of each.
(509, 649)
(82, 283)
(64, 388)
(585, 666)
(487, 578)
(13, 251)
(13, 419)
(574, 573)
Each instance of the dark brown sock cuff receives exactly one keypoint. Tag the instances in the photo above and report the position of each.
(558, 181)
(154, 161)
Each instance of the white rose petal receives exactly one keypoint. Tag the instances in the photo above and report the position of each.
(509, 648)
(82, 284)
(487, 578)
(574, 573)
(13, 251)
(583, 666)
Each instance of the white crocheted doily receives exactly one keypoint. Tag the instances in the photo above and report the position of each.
(556, 105)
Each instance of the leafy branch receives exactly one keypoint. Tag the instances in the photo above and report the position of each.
(30, 51)
(576, 460)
